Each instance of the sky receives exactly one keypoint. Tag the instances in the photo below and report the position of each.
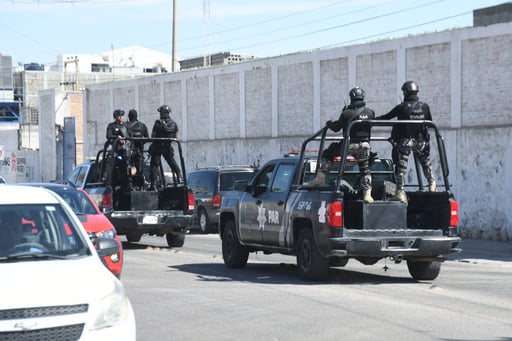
(40, 30)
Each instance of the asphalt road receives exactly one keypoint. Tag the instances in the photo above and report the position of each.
(188, 294)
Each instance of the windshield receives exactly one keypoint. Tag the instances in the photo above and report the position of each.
(38, 230)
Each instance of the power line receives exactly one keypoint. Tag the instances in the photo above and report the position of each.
(293, 26)
(268, 20)
(394, 31)
(327, 28)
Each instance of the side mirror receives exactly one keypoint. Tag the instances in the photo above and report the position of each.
(107, 210)
(106, 246)
(259, 189)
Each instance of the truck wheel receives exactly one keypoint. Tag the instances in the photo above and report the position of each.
(235, 255)
(175, 240)
(311, 265)
(204, 223)
(424, 270)
(133, 237)
(338, 261)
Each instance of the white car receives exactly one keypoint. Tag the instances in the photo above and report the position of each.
(53, 285)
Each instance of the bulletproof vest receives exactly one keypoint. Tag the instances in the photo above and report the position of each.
(166, 128)
(361, 131)
(119, 130)
(136, 129)
(414, 111)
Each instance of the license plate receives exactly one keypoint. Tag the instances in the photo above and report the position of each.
(150, 219)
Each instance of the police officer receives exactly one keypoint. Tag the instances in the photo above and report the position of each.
(116, 134)
(359, 146)
(164, 127)
(136, 129)
(409, 138)
(117, 130)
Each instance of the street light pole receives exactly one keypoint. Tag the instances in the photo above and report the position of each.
(174, 7)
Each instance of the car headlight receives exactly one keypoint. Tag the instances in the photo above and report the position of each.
(112, 310)
(104, 234)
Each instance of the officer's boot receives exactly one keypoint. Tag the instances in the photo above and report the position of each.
(399, 196)
(319, 180)
(366, 185)
(367, 195)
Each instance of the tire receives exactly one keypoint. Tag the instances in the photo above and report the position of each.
(235, 254)
(204, 222)
(425, 271)
(311, 265)
(338, 261)
(133, 237)
(175, 240)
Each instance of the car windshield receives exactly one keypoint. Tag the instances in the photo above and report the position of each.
(38, 231)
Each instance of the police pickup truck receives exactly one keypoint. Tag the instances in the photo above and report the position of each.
(117, 180)
(278, 212)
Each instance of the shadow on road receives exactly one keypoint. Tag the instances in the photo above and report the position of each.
(282, 273)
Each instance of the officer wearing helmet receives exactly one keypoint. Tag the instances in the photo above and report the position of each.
(164, 127)
(407, 138)
(117, 132)
(359, 146)
(136, 129)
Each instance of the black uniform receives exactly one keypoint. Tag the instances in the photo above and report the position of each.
(359, 137)
(407, 138)
(115, 130)
(164, 127)
(137, 129)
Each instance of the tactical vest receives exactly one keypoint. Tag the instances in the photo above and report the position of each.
(414, 111)
(136, 129)
(166, 128)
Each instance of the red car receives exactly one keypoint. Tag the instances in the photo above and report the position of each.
(93, 220)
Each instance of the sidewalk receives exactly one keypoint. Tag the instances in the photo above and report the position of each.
(484, 249)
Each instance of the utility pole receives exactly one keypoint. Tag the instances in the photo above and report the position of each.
(174, 7)
(206, 33)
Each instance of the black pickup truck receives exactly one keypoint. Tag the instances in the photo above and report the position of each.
(124, 195)
(278, 212)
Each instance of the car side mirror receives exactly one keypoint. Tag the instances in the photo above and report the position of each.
(107, 210)
(106, 246)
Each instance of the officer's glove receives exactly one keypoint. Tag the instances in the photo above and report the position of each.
(329, 124)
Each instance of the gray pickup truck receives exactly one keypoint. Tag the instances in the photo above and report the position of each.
(135, 210)
(278, 212)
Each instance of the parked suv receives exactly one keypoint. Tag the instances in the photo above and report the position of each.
(208, 185)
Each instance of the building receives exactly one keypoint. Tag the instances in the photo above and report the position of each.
(221, 58)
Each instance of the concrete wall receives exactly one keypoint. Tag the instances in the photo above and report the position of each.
(249, 112)
(16, 165)
(54, 106)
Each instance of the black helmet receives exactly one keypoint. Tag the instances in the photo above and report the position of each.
(356, 94)
(164, 109)
(118, 112)
(132, 114)
(410, 87)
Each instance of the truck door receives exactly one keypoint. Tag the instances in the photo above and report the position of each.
(252, 213)
(274, 205)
